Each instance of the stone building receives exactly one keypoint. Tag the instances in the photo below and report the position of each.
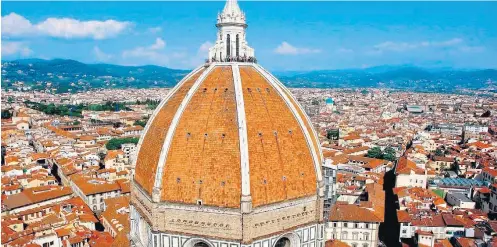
(228, 159)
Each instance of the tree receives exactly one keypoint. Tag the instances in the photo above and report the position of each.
(389, 150)
(389, 154)
(375, 152)
(439, 152)
(76, 122)
(116, 143)
(389, 157)
(332, 134)
(140, 123)
(6, 114)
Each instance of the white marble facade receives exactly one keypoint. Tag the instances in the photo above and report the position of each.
(231, 40)
(142, 236)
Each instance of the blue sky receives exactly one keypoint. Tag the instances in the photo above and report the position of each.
(285, 35)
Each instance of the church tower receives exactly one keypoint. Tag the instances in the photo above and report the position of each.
(231, 43)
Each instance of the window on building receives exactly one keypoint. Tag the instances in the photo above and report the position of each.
(345, 224)
(354, 245)
(237, 46)
(283, 242)
(366, 225)
(355, 235)
(228, 46)
(334, 224)
(365, 245)
(345, 236)
(356, 225)
(366, 236)
(201, 244)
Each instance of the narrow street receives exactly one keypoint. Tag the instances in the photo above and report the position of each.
(389, 230)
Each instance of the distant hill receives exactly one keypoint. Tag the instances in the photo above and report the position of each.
(405, 78)
(62, 75)
(70, 75)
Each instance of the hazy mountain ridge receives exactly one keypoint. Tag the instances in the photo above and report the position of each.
(70, 75)
(412, 78)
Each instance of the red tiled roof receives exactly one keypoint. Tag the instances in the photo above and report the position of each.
(336, 243)
(36, 195)
(351, 212)
(405, 166)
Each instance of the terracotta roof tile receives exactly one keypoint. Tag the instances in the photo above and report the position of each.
(153, 139)
(351, 212)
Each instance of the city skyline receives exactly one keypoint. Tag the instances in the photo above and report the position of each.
(302, 35)
(232, 154)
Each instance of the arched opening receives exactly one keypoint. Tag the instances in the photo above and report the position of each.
(228, 44)
(237, 46)
(283, 242)
(200, 244)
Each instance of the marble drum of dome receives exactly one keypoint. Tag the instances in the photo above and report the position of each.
(228, 158)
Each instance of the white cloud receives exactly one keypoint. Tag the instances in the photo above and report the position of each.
(204, 47)
(158, 45)
(197, 58)
(100, 55)
(70, 28)
(395, 46)
(405, 46)
(16, 25)
(450, 42)
(13, 48)
(287, 49)
(154, 30)
(152, 53)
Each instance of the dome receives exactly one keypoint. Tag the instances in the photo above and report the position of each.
(227, 133)
(228, 158)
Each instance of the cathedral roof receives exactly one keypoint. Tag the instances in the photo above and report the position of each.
(229, 131)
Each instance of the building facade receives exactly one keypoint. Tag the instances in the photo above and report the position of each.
(231, 43)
